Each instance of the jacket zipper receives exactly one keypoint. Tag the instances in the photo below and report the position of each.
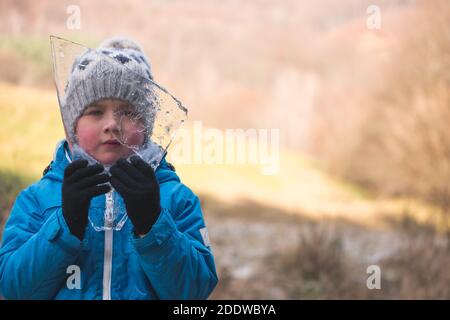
(107, 258)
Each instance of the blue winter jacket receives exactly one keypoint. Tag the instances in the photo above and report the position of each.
(41, 259)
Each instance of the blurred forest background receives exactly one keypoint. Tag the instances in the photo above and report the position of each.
(363, 117)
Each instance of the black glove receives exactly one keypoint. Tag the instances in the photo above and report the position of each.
(137, 184)
(80, 185)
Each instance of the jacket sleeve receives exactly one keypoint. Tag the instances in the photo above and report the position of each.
(173, 255)
(35, 254)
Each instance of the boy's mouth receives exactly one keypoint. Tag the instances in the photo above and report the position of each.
(112, 142)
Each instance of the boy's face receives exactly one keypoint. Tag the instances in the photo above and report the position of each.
(104, 128)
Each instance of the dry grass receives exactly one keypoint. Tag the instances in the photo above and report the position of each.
(418, 268)
(304, 259)
(317, 268)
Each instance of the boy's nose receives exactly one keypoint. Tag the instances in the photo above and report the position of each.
(111, 124)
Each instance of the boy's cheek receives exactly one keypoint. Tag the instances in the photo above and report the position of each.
(87, 138)
(132, 133)
(135, 138)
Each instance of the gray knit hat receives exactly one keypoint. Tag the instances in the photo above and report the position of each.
(117, 69)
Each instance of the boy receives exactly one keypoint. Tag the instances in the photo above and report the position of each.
(49, 248)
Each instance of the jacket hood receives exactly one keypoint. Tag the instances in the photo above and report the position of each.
(62, 158)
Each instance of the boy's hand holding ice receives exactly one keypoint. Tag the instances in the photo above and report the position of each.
(80, 185)
(137, 184)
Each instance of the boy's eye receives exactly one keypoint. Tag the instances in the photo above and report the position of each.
(93, 112)
(126, 113)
